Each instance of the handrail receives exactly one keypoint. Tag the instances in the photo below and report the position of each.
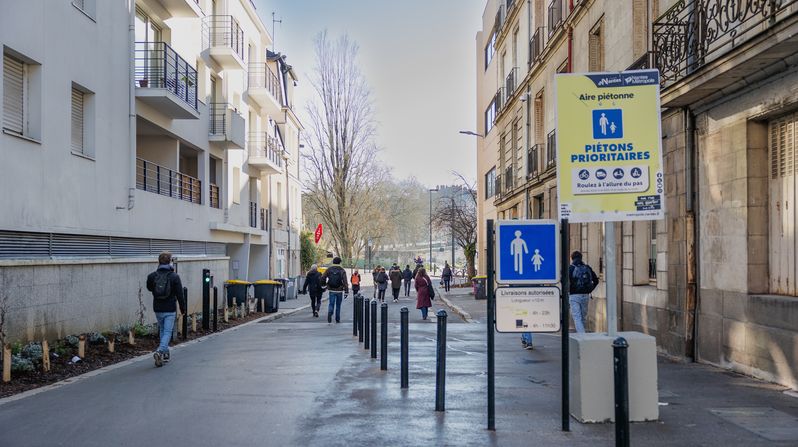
(161, 180)
(223, 31)
(157, 65)
(262, 76)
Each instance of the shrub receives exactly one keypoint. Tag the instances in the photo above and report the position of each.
(21, 364)
(96, 338)
(32, 351)
(72, 340)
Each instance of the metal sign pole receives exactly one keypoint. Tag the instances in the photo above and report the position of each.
(565, 311)
(490, 321)
(609, 279)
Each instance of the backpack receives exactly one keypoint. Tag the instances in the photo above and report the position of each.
(163, 285)
(335, 278)
(582, 278)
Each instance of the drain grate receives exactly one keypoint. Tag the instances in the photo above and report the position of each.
(767, 422)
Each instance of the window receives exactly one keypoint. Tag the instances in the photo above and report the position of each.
(652, 250)
(490, 115)
(539, 116)
(15, 95)
(782, 216)
(77, 121)
(490, 183)
(539, 206)
(490, 49)
(596, 48)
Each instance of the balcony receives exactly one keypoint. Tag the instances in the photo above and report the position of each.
(498, 186)
(508, 178)
(264, 219)
(511, 82)
(555, 16)
(226, 125)
(265, 153)
(182, 8)
(533, 160)
(537, 44)
(719, 48)
(264, 88)
(500, 100)
(223, 40)
(165, 81)
(551, 149)
(646, 61)
(158, 179)
(214, 197)
(253, 214)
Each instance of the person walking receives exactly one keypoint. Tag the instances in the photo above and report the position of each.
(335, 281)
(314, 286)
(582, 281)
(424, 292)
(374, 274)
(408, 278)
(167, 294)
(382, 284)
(355, 281)
(446, 276)
(396, 282)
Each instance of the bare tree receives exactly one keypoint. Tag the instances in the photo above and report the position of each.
(457, 212)
(340, 149)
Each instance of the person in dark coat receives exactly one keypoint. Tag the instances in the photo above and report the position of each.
(446, 277)
(167, 296)
(423, 289)
(396, 282)
(374, 274)
(408, 278)
(313, 285)
(382, 284)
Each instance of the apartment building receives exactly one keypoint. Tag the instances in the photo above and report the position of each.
(715, 280)
(132, 127)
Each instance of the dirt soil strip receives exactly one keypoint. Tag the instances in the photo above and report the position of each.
(130, 361)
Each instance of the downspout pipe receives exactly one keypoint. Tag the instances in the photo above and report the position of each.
(692, 204)
(131, 128)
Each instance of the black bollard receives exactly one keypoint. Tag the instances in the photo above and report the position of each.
(440, 370)
(215, 308)
(374, 329)
(621, 368)
(366, 325)
(185, 316)
(404, 351)
(384, 337)
(206, 299)
(360, 319)
(354, 316)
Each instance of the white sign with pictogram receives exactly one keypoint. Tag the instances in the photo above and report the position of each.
(527, 309)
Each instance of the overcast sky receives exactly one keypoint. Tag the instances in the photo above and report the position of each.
(419, 59)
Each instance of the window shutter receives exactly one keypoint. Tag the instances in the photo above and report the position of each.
(77, 120)
(640, 27)
(13, 94)
(596, 49)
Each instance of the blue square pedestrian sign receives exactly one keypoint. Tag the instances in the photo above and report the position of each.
(528, 251)
(607, 123)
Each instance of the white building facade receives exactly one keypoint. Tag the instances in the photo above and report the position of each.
(132, 127)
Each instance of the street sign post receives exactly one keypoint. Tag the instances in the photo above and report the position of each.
(528, 309)
(527, 252)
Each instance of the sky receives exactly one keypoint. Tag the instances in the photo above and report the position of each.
(419, 59)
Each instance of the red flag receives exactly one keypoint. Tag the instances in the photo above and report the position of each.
(318, 233)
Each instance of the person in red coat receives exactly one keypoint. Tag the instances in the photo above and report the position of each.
(424, 292)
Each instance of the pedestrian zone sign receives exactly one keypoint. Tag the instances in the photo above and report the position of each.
(528, 309)
(527, 251)
(609, 154)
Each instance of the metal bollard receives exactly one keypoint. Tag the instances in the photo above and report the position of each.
(384, 337)
(440, 370)
(621, 368)
(354, 316)
(360, 320)
(366, 325)
(185, 316)
(374, 329)
(403, 331)
(215, 308)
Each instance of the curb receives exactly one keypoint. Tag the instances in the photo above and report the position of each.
(130, 361)
(457, 309)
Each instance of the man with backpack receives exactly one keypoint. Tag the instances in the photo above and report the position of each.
(582, 281)
(167, 294)
(335, 280)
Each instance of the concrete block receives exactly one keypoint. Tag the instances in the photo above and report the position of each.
(592, 381)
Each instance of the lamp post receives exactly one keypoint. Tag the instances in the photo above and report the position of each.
(430, 225)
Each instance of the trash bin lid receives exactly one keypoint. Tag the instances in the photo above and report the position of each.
(266, 281)
(237, 281)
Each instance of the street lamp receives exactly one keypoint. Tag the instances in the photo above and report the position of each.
(430, 225)
(472, 133)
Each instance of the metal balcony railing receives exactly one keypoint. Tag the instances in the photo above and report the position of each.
(253, 214)
(264, 219)
(511, 81)
(537, 44)
(652, 268)
(555, 15)
(214, 196)
(218, 118)
(157, 65)
(647, 60)
(695, 32)
(167, 182)
(263, 145)
(498, 186)
(261, 76)
(508, 178)
(551, 149)
(223, 31)
(532, 160)
(500, 99)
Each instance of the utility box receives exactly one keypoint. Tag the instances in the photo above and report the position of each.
(592, 377)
